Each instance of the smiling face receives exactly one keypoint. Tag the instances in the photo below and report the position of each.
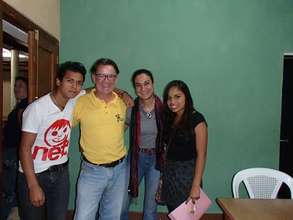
(176, 100)
(105, 79)
(144, 87)
(57, 133)
(70, 85)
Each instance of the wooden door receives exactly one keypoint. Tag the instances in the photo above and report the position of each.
(43, 60)
(1, 108)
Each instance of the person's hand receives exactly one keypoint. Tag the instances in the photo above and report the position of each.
(37, 196)
(127, 99)
(193, 195)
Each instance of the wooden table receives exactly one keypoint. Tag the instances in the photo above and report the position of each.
(256, 209)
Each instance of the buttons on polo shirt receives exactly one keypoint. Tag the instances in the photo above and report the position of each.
(106, 109)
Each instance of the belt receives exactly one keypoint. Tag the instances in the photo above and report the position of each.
(149, 151)
(111, 164)
(56, 168)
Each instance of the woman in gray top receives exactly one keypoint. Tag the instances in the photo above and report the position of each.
(144, 121)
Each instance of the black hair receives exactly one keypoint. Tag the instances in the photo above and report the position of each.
(185, 121)
(104, 62)
(70, 66)
(141, 71)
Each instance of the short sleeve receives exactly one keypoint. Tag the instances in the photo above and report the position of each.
(75, 114)
(197, 119)
(31, 119)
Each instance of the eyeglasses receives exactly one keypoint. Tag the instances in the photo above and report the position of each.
(101, 76)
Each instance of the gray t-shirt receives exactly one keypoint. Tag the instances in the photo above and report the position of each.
(148, 127)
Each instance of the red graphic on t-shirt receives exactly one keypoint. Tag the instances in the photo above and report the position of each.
(57, 133)
(56, 138)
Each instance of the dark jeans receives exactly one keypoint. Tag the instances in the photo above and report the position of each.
(55, 185)
(10, 167)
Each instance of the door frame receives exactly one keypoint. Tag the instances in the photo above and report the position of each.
(286, 144)
(14, 17)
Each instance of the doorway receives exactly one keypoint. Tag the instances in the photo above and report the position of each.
(14, 61)
(286, 133)
(42, 51)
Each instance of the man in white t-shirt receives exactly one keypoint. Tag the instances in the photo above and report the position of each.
(43, 178)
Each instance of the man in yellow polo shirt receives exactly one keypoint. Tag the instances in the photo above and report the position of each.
(101, 114)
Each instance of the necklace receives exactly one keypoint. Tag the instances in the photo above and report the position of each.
(149, 115)
(61, 107)
(147, 109)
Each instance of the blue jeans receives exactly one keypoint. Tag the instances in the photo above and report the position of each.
(100, 187)
(10, 170)
(146, 169)
(55, 185)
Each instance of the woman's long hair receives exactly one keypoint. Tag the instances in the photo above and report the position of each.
(185, 122)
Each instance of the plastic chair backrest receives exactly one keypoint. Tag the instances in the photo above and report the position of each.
(261, 183)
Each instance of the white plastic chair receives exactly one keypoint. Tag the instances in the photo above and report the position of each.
(261, 183)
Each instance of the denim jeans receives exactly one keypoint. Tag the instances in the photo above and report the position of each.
(10, 167)
(55, 185)
(146, 169)
(100, 188)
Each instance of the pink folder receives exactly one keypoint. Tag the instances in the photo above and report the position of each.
(191, 211)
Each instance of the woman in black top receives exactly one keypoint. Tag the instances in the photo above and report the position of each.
(185, 136)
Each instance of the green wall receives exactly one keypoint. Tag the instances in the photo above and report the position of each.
(229, 52)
